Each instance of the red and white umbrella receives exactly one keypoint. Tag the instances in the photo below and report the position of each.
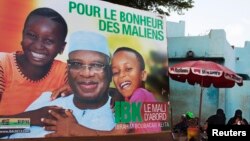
(204, 73)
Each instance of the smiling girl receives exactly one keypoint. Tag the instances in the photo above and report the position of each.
(24, 75)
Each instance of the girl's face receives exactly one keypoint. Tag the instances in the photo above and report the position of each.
(127, 75)
(42, 40)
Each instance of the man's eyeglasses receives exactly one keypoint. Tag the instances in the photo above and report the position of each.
(77, 66)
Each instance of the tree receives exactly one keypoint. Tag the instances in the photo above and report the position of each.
(158, 6)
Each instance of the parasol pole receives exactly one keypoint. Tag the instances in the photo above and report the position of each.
(201, 95)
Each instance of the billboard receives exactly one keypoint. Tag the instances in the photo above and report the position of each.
(137, 46)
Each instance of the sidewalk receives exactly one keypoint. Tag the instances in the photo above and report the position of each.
(164, 136)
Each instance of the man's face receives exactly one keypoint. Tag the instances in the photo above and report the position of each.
(42, 40)
(87, 75)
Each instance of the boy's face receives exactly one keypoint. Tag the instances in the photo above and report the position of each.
(88, 83)
(127, 75)
(42, 40)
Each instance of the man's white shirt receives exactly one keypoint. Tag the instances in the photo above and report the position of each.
(99, 119)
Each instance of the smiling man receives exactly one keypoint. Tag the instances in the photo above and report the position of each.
(89, 77)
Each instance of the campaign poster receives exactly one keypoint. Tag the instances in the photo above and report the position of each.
(143, 110)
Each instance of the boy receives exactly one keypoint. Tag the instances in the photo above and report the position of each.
(129, 75)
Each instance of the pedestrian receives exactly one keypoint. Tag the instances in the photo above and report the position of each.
(237, 119)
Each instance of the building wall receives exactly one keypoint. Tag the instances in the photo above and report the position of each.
(176, 29)
(242, 59)
(240, 97)
(185, 97)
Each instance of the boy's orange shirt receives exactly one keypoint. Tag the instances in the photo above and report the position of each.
(19, 92)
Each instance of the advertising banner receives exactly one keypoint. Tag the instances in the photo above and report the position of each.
(81, 68)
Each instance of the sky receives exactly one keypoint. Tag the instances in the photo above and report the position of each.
(231, 15)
